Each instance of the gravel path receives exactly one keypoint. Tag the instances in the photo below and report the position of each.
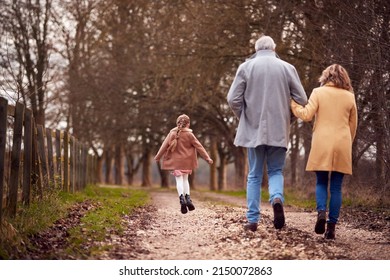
(214, 231)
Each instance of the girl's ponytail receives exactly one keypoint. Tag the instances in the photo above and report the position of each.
(182, 121)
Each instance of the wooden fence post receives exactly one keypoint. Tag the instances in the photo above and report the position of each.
(37, 181)
(66, 162)
(85, 165)
(77, 164)
(58, 158)
(3, 140)
(89, 168)
(15, 159)
(27, 160)
(72, 164)
(81, 172)
(42, 156)
(50, 163)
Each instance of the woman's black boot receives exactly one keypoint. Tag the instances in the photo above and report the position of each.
(183, 204)
(330, 231)
(321, 221)
(189, 203)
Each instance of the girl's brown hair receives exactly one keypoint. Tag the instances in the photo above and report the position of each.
(182, 122)
(337, 75)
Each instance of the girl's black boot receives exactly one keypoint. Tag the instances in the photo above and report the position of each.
(190, 205)
(183, 204)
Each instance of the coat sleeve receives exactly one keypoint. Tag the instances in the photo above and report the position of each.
(353, 120)
(235, 97)
(163, 148)
(199, 148)
(306, 113)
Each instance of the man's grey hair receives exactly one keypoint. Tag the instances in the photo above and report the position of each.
(265, 43)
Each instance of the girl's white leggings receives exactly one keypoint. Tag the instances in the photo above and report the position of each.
(182, 184)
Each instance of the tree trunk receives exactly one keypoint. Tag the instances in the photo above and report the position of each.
(307, 132)
(379, 159)
(164, 179)
(264, 179)
(213, 168)
(108, 161)
(130, 173)
(241, 167)
(146, 169)
(164, 175)
(99, 169)
(294, 140)
(119, 170)
(191, 180)
(222, 175)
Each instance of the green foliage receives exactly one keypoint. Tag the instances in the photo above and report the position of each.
(304, 198)
(30, 219)
(294, 197)
(239, 193)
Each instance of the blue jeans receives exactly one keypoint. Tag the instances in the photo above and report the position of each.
(275, 158)
(336, 180)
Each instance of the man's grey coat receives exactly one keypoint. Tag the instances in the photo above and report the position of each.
(260, 98)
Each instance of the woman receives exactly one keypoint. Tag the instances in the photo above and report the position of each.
(334, 108)
(179, 154)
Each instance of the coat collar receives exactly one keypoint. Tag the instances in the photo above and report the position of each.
(329, 84)
(184, 129)
(265, 53)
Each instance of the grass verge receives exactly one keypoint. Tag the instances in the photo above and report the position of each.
(113, 204)
(292, 197)
(305, 199)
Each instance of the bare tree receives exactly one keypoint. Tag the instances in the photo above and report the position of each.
(26, 26)
(139, 65)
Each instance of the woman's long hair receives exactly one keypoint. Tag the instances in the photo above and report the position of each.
(182, 122)
(337, 75)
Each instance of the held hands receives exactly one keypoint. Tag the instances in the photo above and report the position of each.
(293, 104)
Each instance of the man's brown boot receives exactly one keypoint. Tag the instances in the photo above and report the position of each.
(251, 226)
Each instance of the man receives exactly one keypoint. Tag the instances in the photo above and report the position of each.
(260, 98)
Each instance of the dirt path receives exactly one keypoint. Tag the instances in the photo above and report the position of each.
(214, 231)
